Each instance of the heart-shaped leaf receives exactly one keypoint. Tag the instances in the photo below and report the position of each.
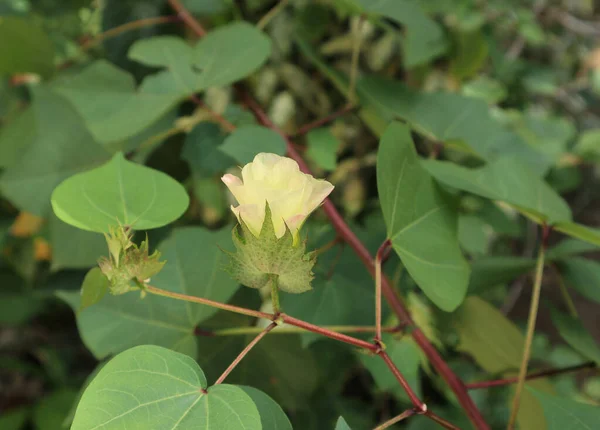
(150, 387)
(119, 193)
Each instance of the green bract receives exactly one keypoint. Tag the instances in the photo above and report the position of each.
(119, 193)
(259, 260)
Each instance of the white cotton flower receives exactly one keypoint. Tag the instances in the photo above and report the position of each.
(291, 194)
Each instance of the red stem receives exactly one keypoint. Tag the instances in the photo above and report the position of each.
(245, 351)
(455, 384)
(534, 375)
(325, 120)
(187, 17)
(419, 405)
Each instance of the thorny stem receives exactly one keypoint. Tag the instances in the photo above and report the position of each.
(246, 350)
(266, 19)
(379, 258)
(535, 375)
(344, 231)
(407, 413)
(533, 311)
(288, 330)
(325, 120)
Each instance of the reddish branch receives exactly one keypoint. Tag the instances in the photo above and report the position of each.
(534, 375)
(325, 120)
(359, 248)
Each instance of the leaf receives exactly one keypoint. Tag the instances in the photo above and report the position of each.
(576, 335)
(73, 248)
(93, 289)
(489, 337)
(508, 180)
(201, 150)
(16, 136)
(449, 118)
(471, 53)
(272, 416)
(152, 387)
(588, 234)
(322, 148)
(247, 141)
(342, 424)
(491, 271)
(30, 49)
(588, 145)
(51, 411)
(223, 56)
(583, 275)
(120, 322)
(62, 147)
(14, 419)
(336, 301)
(420, 221)
(119, 193)
(568, 248)
(111, 106)
(564, 413)
(424, 39)
(406, 356)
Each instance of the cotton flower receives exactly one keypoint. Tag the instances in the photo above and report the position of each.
(291, 194)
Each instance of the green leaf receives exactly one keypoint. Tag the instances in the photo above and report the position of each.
(488, 336)
(73, 248)
(420, 222)
(322, 148)
(424, 39)
(342, 424)
(449, 118)
(576, 335)
(30, 49)
(51, 412)
(272, 416)
(94, 288)
(14, 419)
(62, 147)
(492, 271)
(591, 235)
(588, 145)
(569, 248)
(583, 275)
(152, 387)
(223, 56)
(335, 301)
(120, 322)
(406, 356)
(201, 150)
(16, 136)
(471, 53)
(258, 261)
(119, 193)
(564, 413)
(508, 180)
(111, 106)
(247, 141)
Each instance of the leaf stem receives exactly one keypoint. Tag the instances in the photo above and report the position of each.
(238, 310)
(275, 295)
(379, 258)
(535, 375)
(266, 19)
(565, 293)
(187, 17)
(325, 120)
(235, 331)
(406, 414)
(246, 350)
(533, 311)
(418, 404)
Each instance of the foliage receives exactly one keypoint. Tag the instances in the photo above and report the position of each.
(463, 140)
